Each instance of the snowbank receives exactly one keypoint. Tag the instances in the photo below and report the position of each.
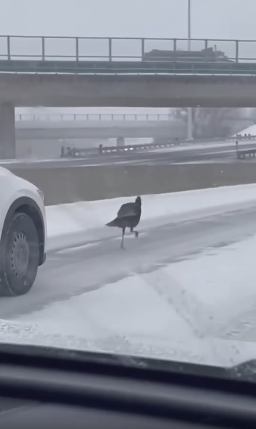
(84, 221)
(249, 130)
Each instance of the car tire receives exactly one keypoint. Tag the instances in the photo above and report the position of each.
(19, 252)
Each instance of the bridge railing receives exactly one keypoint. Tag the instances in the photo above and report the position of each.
(122, 117)
(43, 48)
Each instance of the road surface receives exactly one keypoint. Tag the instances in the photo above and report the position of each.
(73, 271)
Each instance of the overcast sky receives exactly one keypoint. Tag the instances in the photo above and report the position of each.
(148, 18)
(221, 19)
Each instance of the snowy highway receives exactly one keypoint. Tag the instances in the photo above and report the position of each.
(73, 286)
(185, 289)
(85, 268)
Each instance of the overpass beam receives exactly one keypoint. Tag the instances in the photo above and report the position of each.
(7, 131)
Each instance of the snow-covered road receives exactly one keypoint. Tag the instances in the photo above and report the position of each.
(89, 267)
(189, 277)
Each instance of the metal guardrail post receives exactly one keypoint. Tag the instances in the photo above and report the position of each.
(9, 47)
(142, 49)
(174, 48)
(43, 48)
(206, 44)
(237, 51)
(77, 49)
(110, 49)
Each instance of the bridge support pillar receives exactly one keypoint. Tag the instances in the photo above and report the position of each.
(7, 131)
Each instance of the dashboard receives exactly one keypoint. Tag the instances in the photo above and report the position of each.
(40, 390)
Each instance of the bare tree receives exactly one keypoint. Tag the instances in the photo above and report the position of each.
(211, 122)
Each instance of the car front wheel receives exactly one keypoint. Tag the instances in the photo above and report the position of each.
(19, 250)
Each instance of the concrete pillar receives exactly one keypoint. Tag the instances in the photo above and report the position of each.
(7, 131)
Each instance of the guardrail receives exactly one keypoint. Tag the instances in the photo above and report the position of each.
(126, 117)
(240, 137)
(242, 153)
(126, 149)
(101, 150)
(107, 49)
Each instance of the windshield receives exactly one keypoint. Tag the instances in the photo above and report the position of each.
(129, 224)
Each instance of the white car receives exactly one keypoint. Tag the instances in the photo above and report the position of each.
(22, 233)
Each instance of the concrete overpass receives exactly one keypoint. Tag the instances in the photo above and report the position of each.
(119, 81)
(113, 91)
(126, 91)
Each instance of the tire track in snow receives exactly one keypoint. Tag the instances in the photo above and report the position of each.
(184, 303)
(242, 327)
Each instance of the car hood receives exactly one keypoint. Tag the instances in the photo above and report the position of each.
(206, 351)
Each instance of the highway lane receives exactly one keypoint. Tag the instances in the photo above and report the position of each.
(226, 153)
(73, 271)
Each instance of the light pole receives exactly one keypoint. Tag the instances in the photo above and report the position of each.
(189, 24)
(189, 113)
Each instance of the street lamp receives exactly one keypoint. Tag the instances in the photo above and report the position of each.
(189, 115)
(189, 24)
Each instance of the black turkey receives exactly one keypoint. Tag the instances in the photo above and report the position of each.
(128, 216)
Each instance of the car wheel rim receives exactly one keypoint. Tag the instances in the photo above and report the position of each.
(20, 255)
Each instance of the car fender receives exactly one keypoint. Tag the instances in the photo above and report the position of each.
(14, 192)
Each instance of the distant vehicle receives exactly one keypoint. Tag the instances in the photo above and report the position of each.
(205, 55)
(22, 233)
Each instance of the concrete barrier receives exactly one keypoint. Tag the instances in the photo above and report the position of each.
(71, 184)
